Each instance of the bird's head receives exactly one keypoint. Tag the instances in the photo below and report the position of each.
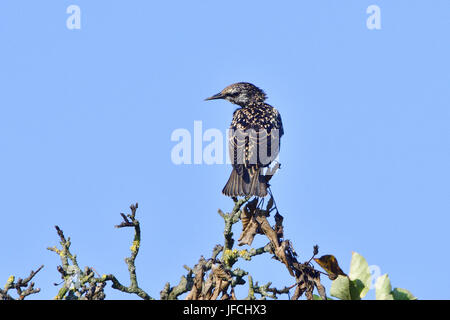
(241, 93)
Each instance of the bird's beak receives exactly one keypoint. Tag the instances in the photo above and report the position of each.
(216, 96)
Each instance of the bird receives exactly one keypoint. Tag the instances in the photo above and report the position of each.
(253, 140)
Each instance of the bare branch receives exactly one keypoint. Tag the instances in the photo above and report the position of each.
(23, 287)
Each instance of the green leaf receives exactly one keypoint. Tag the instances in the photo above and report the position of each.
(383, 288)
(340, 288)
(402, 294)
(359, 276)
(357, 289)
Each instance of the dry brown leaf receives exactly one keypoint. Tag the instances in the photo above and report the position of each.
(280, 252)
(298, 291)
(217, 290)
(279, 226)
(267, 229)
(222, 280)
(249, 233)
(207, 288)
(320, 288)
(330, 265)
(220, 273)
(246, 216)
(233, 295)
(199, 271)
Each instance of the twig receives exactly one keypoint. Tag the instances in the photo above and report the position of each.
(19, 285)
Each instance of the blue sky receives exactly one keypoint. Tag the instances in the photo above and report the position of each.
(86, 118)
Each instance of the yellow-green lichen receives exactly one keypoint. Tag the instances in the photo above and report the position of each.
(244, 254)
(230, 256)
(135, 246)
(9, 282)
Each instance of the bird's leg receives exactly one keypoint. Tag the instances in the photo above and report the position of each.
(260, 203)
(271, 195)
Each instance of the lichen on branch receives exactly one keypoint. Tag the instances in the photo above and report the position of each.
(83, 284)
(24, 287)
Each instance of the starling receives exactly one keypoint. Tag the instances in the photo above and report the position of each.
(253, 141)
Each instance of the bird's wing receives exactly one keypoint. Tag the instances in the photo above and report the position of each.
(237, 148)
(253, 147)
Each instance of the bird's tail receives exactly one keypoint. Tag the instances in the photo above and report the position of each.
(250, 183)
